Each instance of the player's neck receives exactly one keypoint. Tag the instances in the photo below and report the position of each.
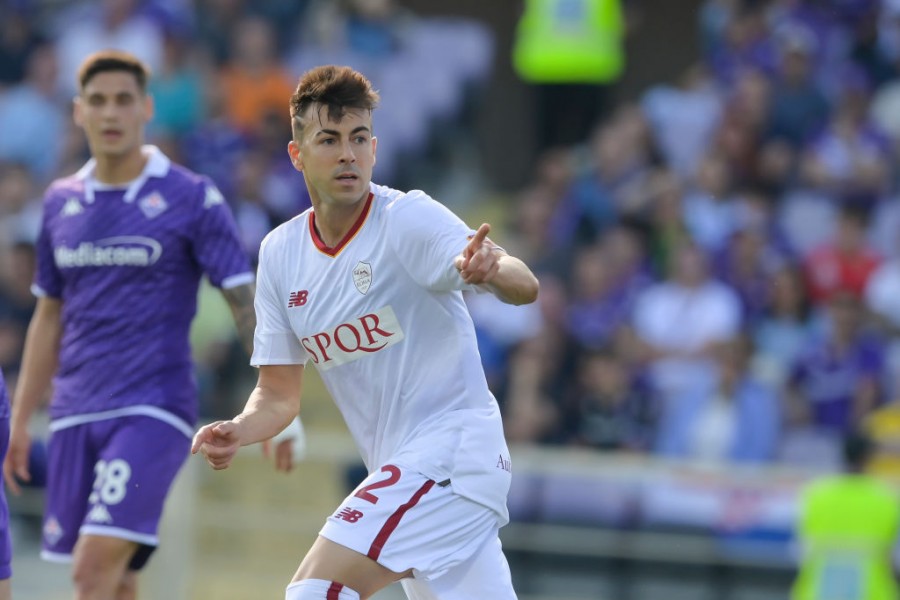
(334, 221)
(119, 169)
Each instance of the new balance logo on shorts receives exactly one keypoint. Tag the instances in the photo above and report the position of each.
(349, 515)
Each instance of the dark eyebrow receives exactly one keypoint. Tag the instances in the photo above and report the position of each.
(117, 95)
(337, 133)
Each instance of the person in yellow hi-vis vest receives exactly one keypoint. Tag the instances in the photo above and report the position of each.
(570, 51)
(848, 525)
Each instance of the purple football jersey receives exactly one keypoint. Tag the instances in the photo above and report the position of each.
(126, 264)
(5, 536)
(4, 399)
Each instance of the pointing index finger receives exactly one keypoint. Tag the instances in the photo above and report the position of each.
(479, 237)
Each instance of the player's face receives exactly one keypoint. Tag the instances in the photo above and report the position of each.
(336, 157)
(113, 112)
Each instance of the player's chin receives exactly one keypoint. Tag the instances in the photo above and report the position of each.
(350, 193)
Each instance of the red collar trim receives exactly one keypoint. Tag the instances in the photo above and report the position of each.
(334, 251)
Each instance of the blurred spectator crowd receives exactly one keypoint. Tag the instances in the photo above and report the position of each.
(719, 258)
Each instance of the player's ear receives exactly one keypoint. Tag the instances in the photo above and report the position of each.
(374, 148)
(149, 107)
(77, 114)
(294, 153)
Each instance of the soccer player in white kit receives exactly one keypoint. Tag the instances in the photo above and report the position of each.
(367, 286)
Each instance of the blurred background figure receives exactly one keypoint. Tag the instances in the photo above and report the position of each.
(571, 51)
(847, 528)
(736, 419)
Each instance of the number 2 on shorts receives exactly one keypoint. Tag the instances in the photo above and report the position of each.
(393, 477)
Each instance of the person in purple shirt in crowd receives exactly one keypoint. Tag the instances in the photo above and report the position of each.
(837, 379)
(123, 245)
(5, 541)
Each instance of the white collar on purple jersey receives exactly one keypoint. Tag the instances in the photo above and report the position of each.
(157, 166)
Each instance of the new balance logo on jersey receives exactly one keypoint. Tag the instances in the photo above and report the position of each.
(71, 207)
(354, 339)
(99, 514)
(349, 515)
(297, 298)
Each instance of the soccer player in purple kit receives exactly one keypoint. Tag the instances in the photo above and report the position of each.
(5, 541)
(123, 245)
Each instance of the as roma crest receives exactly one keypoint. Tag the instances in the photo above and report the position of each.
(362, 276)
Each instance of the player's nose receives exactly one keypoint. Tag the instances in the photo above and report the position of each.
(347, 154)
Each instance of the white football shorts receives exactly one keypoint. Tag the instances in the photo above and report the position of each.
(403, 520)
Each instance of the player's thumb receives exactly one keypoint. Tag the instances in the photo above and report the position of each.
(16, 470)
(226, 430)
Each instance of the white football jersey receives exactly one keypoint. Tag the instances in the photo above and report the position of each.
(382, 318)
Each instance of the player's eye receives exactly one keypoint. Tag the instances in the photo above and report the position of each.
(96, 100)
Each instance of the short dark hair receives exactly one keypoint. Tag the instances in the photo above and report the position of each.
(113, 60)
(338, 88)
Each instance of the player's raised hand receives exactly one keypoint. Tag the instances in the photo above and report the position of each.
(15, 466)
(218, 442)
(478, 262)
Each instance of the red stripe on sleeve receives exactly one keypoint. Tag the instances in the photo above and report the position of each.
(391, 524)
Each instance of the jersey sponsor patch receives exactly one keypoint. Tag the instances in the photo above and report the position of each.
(354, 339)
(120, 251)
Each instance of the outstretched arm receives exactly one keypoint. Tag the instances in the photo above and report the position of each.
(273, 403)
(507, 277)
(240, 301)
(39, 362)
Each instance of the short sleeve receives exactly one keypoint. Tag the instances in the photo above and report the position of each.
(427, 237)
(274, 342)
(217, 246)
(47, 277)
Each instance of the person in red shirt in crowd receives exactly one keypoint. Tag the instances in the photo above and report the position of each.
(844, 264)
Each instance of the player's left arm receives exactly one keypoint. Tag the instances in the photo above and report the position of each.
(240, 301)
(484, 263)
